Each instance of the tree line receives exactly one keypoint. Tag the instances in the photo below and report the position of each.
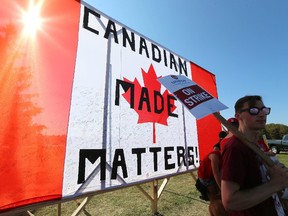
(275, 131)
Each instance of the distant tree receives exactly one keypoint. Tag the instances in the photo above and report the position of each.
(16, 100)
(283, 130)
(275, 131)
(27, 154)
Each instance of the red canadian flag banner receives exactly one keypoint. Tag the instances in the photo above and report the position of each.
(81, 107)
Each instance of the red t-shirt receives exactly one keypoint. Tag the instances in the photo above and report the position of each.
(241, 165)
(223, 143)
(205, 169)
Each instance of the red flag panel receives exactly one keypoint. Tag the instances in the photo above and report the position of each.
(208, 127)
(36, 74)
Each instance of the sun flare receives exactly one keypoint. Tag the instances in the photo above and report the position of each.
(31, 18)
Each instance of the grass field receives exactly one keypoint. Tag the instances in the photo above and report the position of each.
(179, 198)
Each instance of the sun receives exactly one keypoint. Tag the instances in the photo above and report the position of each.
(31, 19)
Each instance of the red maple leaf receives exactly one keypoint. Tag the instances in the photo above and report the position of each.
(146, 102)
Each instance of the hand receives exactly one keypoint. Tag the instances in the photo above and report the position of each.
(279, 175)
(270, 153)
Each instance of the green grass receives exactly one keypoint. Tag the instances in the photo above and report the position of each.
(178, 198)
(283, 158)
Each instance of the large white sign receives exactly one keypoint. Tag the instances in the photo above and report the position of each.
(123, 126)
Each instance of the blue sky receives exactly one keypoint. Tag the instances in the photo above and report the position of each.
(244, 43)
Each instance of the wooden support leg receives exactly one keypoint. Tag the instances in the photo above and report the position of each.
(81, 206)
(156, 193)
(193, 176)
(59, 209)
(29, 213)
(154, 201)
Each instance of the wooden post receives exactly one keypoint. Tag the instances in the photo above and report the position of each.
(193, 176)
(154, 201)
(59, 209)
(156, 193)
(81, 206)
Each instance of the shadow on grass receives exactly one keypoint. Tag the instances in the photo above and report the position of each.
(188, 197)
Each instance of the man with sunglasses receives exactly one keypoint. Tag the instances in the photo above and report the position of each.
(246, 186)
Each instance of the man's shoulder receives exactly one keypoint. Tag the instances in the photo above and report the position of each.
(215, 152)
(233, 143)
(231, 140)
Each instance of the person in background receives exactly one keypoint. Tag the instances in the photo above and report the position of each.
(209, 175)
(262, 142)
(234, 122)
(246, 188)
(209, 169)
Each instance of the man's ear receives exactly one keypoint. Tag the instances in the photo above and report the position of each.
(237, 116)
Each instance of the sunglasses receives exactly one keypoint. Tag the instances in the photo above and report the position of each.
(256, 110)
